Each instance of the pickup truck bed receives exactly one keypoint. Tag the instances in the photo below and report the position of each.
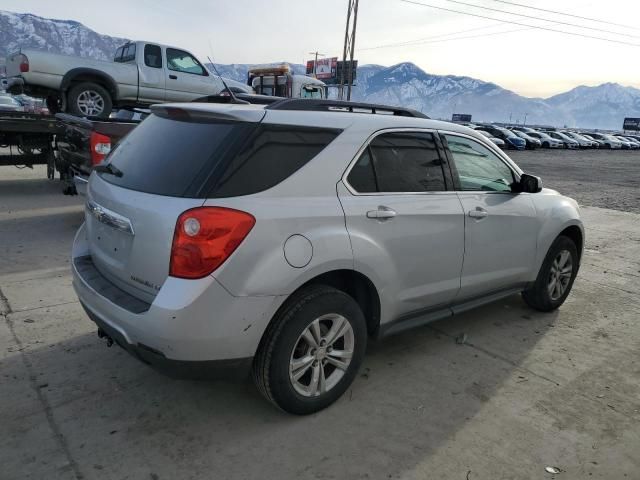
(79, 138)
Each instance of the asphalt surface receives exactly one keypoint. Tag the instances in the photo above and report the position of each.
(599, 178)
(525, 391)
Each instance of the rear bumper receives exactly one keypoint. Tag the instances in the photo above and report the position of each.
(235, 369)
(80, 183)
(189, 324)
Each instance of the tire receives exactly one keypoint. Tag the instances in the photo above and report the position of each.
(539, 295)
(283, 343)
(89, 99)
(546, 145)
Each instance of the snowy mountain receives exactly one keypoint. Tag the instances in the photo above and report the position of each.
(60, 36)
(403, 84)
(599, 107)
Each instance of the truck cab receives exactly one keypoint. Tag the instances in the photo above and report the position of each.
(280, 81)
(167, 73)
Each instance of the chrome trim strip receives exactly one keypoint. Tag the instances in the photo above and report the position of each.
(110, 218)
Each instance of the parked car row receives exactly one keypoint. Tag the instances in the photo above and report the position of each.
(521, 137)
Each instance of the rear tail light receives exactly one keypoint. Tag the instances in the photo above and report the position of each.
(204, 238)
(100, 147)
(24, 64)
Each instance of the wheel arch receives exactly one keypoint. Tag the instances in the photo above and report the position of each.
(576, 235)
(78, 75)
(355, 284)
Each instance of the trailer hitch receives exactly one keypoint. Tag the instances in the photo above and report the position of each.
(102, 334)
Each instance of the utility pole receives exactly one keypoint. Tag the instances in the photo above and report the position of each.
(349, 47)
(525, 119)
(315, 62)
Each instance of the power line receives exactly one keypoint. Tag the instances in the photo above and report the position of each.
(558, 22)
(409, 42)
(439, 39)
(548, 29)
(567, 14)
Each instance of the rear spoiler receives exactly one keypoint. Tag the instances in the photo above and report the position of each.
(207, 112)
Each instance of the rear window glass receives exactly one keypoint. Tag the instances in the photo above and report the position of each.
(208, 160)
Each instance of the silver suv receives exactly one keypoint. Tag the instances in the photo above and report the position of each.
(223, 239)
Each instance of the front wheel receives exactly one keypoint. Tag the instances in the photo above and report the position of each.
(312, 351)
(556, 276)
(89, 100)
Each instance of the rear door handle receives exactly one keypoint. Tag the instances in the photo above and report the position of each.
(479, 212)
(382, 213)
(173, 77)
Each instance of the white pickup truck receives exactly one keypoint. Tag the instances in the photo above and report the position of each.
(141, 73)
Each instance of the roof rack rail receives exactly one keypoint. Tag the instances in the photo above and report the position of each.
(316, 105)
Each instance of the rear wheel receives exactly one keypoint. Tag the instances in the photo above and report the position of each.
(556, 276)
(312, 351)
(89, 100)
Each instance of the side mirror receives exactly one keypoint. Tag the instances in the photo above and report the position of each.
(529, 183)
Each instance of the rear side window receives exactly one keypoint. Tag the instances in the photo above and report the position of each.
(272, 154)
(153, 56)
(402, 162)
(178, 158)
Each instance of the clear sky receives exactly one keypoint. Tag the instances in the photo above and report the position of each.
(529, 61)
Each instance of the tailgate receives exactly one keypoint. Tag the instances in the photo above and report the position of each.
(130, 235)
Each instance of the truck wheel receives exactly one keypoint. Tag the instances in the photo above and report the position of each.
(311, 353)
(89, 100)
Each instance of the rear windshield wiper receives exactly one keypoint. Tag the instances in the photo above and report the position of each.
(108, 168)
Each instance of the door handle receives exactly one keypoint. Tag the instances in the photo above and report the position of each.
(382, 213)
(479, 212)
(173, 77)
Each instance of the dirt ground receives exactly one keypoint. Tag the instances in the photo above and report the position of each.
(599, 178)
(526, 390)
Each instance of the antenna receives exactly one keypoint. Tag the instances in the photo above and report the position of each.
(234, 99)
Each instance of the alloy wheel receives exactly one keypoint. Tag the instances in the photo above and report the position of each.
(90, 103)
(560, 274)
(321, 355)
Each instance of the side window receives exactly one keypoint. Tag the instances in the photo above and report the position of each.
(362, 177)
(118, 57)
(478, 167)
(152, 56)
(407, 162)
(128, 53)
(402, 162)
(181, 61)
(273, 154)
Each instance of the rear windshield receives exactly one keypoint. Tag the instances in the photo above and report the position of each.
(212, 159)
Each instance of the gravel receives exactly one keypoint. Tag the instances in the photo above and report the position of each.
(598, 178)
